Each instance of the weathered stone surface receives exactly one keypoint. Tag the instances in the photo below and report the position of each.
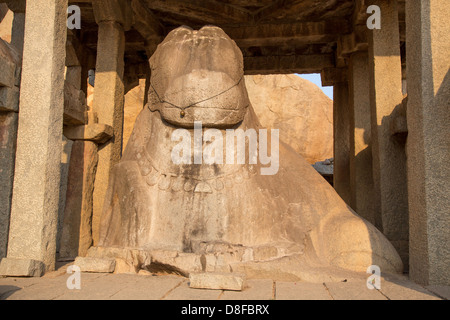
(341, 125)
(33, 224)
(428, 144)
(303, 115)
(222, 281)
(8, 136)
(213, 93)
(175, 262)
(77, 227)
(65, 162)
(113, 11)
(89, 264)
(17, 5)
(134, 103)
(388, 156)
(21, 267)
(18, 31)
(6, 21)
(260, 289)
(8, 61)
(108, 104)
(9, 99)
(183, 292)
(154, 204)
(298, 108)
(352, 290)
(74, 105)
(97, 132)
(361, 166)
(325, 168)
(127, 260)
(301, 291)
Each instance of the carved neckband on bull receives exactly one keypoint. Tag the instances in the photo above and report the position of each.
(182, 109)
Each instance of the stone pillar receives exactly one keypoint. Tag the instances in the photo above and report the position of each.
(32, 233)
(388, 155)
(361, 177)
(10, 67)
(341, 174)
(8, 135)
(428, 144)
(108, 104)
(77, 234)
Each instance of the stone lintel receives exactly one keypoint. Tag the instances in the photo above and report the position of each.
(99, 133)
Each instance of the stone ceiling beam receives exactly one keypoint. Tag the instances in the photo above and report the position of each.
(16, 5)
(288, 64)
(288, 34)
(212, 12)
(145, 21)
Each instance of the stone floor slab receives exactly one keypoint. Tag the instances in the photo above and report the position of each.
(253, 290)
(97, 286)
(441, 291)
(301, 291)
(353, 290)
(400, 288)
(169, 287)
(149, 288)
(183, 292)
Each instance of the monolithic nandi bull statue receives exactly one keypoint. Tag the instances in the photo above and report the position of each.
(181, 186)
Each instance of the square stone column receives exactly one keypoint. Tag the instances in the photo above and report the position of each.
(428, 144)
(10, 67)
(108, 104)
(8, 136)
(33, 225)
(341, 144)
(361, 177)
(388, 155)
(76, 235)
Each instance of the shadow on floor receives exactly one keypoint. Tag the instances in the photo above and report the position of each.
(6, 291)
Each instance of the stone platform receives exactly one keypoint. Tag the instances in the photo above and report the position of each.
(104, 286)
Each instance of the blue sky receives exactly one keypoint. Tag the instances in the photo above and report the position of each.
(315, 78)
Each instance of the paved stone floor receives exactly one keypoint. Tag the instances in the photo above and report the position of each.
(100, 286)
